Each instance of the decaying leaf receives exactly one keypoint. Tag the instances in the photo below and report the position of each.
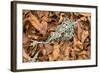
(77, 44)
(49, 48)
(41, 27)
(86, 14)
(33, 36)
(79, 31)
(84, 35)
(25, 39)
(26, 56)
(55, 54)
(56, 36)
(61, 17)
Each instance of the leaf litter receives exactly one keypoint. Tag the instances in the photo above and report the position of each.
(56, 36)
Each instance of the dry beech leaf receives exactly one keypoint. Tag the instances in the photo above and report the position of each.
(44, 52)
(61, 57)
(55, 54)
(84, 54)
(39, 24)
(44, 18)
(33, 36)
(66, 58)
(73, 54)
(51, 28)
(49, 48)
(25, 39)
(79, 31)
(26, 56)
(56, 51)
(83, 18)
(40, 14)
(61, 17)
(86, 14)
(80, 57)
(76, 49)
(66, 52)
(43, 15)
(66, 49)
(77, 44)
(84, 35)
(41, 27)
(44, 27)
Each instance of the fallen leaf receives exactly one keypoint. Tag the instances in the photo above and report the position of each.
(79, 31)
(66, 51)
(33, 36)
(55, 54)
(25, 39)
(77, 44)
(26, 56)
(41, 27)
(84, 35)
(44, 27)
(86, 14)
(44, 52)
(83, 18)
(61, 17)
(49, 48)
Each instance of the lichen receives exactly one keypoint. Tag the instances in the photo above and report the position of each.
(63, 31)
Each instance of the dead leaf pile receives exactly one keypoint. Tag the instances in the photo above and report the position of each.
(37, 25)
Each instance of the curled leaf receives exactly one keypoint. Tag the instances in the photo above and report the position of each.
(26, 56)
(41, 27)
(55, 54)
(84, 35)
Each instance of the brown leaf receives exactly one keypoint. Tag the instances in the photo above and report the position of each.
(26, 56)
(44, 52)
(73, 54)
(84, 54)
(77, 44)
(86, 14)
(84, 35)
(55, 54)
(65, 49)
(79, 31)
(49, 48)
(61, 17)
(51, 28)
(44, 18)
(25, 39)
(33, 36)
(56, 51)
(41, 27)
(83, 18)
(66, 52)
(44, 27)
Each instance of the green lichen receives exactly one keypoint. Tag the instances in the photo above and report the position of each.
(34, 43)
(65, 30)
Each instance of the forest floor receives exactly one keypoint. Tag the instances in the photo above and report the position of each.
(56, 36)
